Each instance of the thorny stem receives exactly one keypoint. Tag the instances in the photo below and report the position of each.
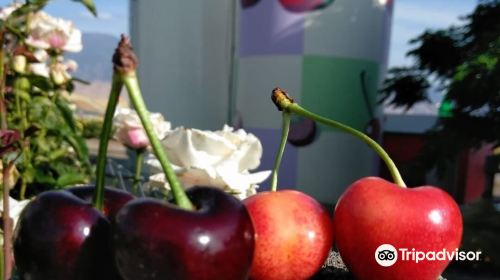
(7, 222)
(3, 71)
(286, 103)
(279, 155)
(20, 86)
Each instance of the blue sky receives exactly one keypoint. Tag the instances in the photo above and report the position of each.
(411, 17)
(112, 15)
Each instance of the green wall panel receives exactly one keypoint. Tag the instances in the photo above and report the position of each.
(332, 87)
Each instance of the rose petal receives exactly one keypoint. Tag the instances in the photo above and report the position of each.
(47, 32)
(5, 12)
(126, 119)
(40, 69)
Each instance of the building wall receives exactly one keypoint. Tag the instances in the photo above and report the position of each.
(205, 63)
(183, 47)
(317, 55)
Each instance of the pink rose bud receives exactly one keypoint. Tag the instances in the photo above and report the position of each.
(135, 138)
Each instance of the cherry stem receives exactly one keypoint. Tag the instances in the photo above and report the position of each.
(286, 103)
(107, 126)
(132, 85)
(284, 136)
(139, 158)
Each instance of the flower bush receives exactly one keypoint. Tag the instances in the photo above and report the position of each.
(49, 33)
(51, 150)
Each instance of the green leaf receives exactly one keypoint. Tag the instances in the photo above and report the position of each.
(80, 147)
(68, 179)
(25, 96)
(28, 7)
(29, 174)
(76, 139)
(41, 177)
(45, 113)
(89, 4)
(66, 113)
(41, 82)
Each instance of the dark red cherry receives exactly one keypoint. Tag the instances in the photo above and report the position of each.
(60, 236)
(114, 198)
(157, 240)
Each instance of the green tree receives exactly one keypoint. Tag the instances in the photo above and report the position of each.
(462, 62)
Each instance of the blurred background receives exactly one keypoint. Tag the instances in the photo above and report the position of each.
(221, 60)
(420, 76)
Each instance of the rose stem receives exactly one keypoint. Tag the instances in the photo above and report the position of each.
(20, 85)
(116, 87)
(286, 103)
(139, 157)
(127, 66)
(284, 136)
(7, 222)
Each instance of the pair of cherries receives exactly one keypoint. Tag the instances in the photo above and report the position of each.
(62, 236)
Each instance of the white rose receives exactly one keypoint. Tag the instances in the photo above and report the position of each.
(15, 209)
(47, 32)
(59, 73)
(5, 12)
(220, 159)
(129, 130)
(19, 63)
(40, 69)
(41, 55)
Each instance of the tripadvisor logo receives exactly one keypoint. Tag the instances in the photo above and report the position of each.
(387, 255)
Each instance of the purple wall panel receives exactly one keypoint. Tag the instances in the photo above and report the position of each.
(267, 29)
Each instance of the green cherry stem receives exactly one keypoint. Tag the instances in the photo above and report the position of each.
(284, 136)
(132, 85)
(116, 87)
(125, 65)
(286, 103)
(139, 158)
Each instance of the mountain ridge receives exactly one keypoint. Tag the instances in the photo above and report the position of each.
(94, 61)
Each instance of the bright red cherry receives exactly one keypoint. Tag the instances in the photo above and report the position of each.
(293, 235)
(373, 212)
